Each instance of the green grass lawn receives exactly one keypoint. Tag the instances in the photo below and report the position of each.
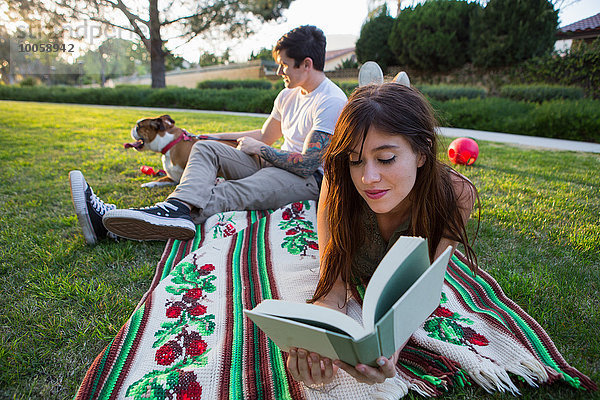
(62, 301)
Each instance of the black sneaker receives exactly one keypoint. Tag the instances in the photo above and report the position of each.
(170, 219)
(89, 209)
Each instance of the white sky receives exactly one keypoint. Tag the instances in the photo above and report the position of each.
(335, 18)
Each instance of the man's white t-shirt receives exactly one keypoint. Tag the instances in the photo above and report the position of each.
(300, 114)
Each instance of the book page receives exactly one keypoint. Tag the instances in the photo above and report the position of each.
(398, 270)
(317, 316)
(414, 307)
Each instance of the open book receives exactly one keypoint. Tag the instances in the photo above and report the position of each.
(402, 293)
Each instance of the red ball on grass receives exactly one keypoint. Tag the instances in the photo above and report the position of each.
(463, 151)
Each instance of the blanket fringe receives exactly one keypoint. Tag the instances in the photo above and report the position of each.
(494, 378)
(531, 370)
(553, 375)
(422, 387)
(392, 389)
(579, 380)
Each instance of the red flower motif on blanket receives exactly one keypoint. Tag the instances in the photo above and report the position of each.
(444, 325)
(167, 353)
(297, 207)
(198, 310)
(300, 233)
(187, 387)
(180, 342)
(174, 311)
(196, 348)
(224, 226)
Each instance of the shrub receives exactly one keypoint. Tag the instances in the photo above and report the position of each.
(433, 36)
(574, 120)
(27, 82)
(372, 45)
(506, 32)
(489, 114)
(244, 100)
(564, 119)
(347, 87)
(235, 84)
(579, 66)
(449, 92)
(540, 93)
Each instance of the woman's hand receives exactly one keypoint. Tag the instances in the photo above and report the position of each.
(310, 368)
(371, 375)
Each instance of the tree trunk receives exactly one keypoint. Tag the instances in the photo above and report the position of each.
(157, 55)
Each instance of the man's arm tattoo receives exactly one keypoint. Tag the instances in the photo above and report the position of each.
(302, 164)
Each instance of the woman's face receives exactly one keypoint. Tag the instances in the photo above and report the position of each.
(386, 171)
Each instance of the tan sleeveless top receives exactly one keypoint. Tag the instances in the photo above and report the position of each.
(374, 247)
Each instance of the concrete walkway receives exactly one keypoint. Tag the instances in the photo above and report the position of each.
(520, 140)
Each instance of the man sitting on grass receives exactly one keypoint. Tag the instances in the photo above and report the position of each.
(257, 176)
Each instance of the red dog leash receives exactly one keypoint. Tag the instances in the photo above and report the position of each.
(184, 136)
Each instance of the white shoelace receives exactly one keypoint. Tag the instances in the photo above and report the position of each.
(100, 206)
(164, 205)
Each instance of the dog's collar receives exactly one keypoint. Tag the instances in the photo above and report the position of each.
(184, 136)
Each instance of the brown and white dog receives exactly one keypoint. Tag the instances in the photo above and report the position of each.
(162, 136)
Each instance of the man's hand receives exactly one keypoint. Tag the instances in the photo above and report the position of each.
(249, 145)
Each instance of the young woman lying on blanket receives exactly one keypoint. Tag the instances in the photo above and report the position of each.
(382, 180)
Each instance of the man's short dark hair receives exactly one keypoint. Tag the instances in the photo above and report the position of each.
(304, 41)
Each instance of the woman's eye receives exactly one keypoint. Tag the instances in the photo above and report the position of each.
(353, 163)
(388, 161)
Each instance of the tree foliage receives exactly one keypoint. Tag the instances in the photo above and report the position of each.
(154, 25)
(372, 45)
(579, 66)
(262, 54)
(433, 36)
(506, 32)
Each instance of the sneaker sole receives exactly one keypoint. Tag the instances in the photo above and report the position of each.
(77, 186)
(130, 225)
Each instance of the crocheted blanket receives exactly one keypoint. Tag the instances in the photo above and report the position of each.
(188, 338)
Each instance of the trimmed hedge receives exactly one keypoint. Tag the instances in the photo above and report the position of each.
(565, 119)
(449, 92)
(541, 93)
(234, 84)
(243, 100)
(561, 119)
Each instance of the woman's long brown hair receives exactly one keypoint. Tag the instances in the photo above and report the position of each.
(397, 110)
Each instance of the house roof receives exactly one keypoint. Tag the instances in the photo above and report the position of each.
(338, 53)
(587, 27)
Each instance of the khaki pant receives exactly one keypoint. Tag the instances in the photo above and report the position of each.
(251, 183)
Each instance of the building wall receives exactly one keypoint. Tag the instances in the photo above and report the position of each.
(332, 63)
(189, 78)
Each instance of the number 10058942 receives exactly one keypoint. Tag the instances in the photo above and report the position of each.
(46, 47)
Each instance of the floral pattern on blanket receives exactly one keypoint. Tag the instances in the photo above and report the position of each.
(444, 325)
(300, 232)
(224, 226)
(181, 337)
